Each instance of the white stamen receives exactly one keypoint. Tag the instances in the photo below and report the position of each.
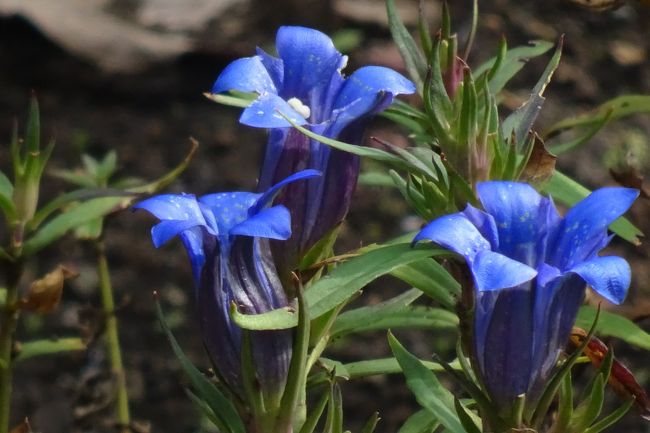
(300, 108)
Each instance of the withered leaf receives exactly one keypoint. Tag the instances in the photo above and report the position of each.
(540, 165)
(45, 293)
(631, 178)
(621, 379)
(23, 427)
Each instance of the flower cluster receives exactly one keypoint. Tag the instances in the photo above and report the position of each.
(530, 268)
(226, 237)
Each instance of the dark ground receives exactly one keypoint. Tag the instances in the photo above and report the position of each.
(148, 117)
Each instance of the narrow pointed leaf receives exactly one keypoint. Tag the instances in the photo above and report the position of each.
(521, 121)
(610, 419)
(31, 349)
(206, 390)
(340, 284)
(421, 421)
(514, 60)
(71, 219)
(413, 58)
(428, 391)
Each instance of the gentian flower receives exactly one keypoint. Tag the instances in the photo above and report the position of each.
(226, 237)
(529, 269)
(305, 84)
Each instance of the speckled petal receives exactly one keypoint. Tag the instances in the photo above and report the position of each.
(367, 91)
(516, 211)
(585, 225)
(245, 75)
(608, 276)
(271, 223)
(310, 59)
(455, 232)
(265, 111)
(494, 271)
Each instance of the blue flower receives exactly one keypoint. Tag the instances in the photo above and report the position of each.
(530, 268)
(226, 237)
(305, 84)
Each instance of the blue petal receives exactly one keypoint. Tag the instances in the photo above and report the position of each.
(310, 60)
(368, 91)
(172, 207)
(274, 67)
(494, 271)
(167, 229)
(229, 208)
(485, 224)
(265, 111)
(505, 352)
(585, 225)
(193, 240)
(271, 223)
(455, 233)
(245, 75)
(266, 198)
(609, 276)
(516, 211)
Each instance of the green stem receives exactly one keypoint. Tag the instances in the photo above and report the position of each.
(112, 338)
(8, 320)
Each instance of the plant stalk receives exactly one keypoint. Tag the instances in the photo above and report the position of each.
(8, 320)
(113, 338)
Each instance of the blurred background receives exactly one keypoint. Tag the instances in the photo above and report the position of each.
(129, 75)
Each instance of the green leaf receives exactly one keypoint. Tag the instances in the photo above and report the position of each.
(428, 391)
(521, 120)
(614, 325)
(203, 407)
(348, 321)
(314, 416)
(71, 219)
(222, 408)
(6, 187)
(560, 148)
(107, 167)
(363, 151)
(415, 62)
(73, 196)
(466, 417)
(321, 249)
(395, 313)
(31, 349)
(33, 130)
(421, 421)
(611, 419)
(614, 109)
(569, 192)
(587, 411)
(234, 99)
(565, 405)
(340, 284)
(369, 367)
(293, 405)
(513, 61)
(170, 176)
(7, 205)
(431, 278)
(334, 420)
(371, 424)
(376, 178)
